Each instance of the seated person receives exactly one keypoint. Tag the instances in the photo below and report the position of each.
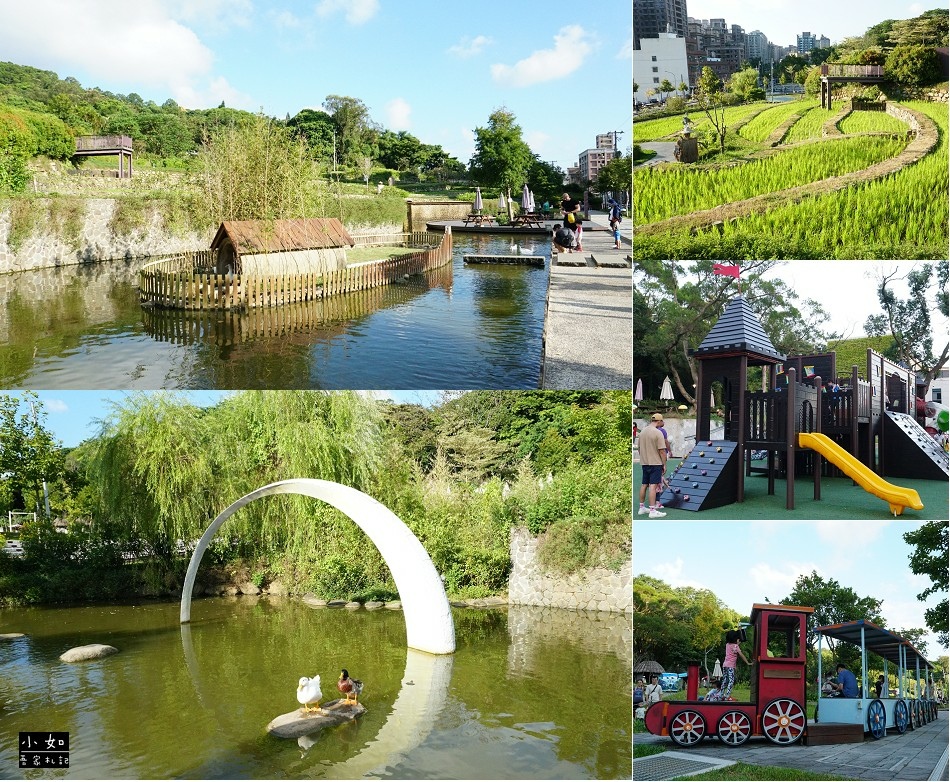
(847, 684)
(828, 688)
(714, 693)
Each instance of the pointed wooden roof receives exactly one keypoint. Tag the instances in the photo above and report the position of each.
(270, 236)
(738, 332)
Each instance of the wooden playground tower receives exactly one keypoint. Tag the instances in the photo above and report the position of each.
(837, 73)
(91, 146)
(796, 421)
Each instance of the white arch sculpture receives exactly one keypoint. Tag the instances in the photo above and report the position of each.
(429, 626)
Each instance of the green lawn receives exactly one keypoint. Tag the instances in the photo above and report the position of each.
(362, 254)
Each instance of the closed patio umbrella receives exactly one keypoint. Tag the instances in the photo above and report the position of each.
(502, 203)
(667, 391)
(638, 394)
(525, 199)
(717, 670)
(478, 199)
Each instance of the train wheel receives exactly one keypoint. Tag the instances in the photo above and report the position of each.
(734, 728)
(877, 719)
(918, 714)
(933, 709)
(783, 721)
(900, 716)
(687, 727)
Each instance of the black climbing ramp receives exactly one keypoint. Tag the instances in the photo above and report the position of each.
(908, 451)
(706, 478)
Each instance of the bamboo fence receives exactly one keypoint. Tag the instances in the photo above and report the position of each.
(186, 282)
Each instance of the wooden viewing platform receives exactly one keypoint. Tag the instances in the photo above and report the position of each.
(832, 72)
(91, 146)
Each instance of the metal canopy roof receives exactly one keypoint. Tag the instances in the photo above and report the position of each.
(738, 332)
(876, 639)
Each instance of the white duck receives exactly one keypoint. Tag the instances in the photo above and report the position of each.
(308, 691)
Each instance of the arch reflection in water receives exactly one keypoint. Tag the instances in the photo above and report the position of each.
(423, 694)
(327, 318)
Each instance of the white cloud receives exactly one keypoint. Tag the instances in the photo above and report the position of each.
(859, 534)
(469, 47)
(538, 141)
(672, 574)
(357, 11)
(398, 113)
(211, 94)
(626, 51)
(213, 12)
(572, 44)
(915, 9)
(776, 582)
(55, 406)
(285, 20)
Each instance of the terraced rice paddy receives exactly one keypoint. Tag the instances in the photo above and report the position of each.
(872, 122)
(670, 190)
(655, 129)
(809, 126)
(761, 126)
(900, 216)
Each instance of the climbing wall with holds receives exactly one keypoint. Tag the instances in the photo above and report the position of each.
(908, 451)
(706, 478)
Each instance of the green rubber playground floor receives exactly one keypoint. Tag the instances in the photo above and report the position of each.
(840, 499)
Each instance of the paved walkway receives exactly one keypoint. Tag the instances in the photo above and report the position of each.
(663, 149)
(588, 329)
(919, 754)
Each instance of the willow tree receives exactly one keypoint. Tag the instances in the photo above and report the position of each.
(255, 171)
(165, 468)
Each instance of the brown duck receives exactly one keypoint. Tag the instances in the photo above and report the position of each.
(349, 686)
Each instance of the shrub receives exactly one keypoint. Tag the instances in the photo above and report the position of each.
(16, 147)
(675, 103)
(913, 65)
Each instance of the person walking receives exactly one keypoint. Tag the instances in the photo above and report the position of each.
(653, 465)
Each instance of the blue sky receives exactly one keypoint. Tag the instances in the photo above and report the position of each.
(435, 69)
(782, 20)
(72, 416)
(745, 562)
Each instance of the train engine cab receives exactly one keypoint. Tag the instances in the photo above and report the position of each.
(776, 706)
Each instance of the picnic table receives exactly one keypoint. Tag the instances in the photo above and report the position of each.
(478, 219)
(528, 220)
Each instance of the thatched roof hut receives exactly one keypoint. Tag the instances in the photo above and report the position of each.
(280, 246)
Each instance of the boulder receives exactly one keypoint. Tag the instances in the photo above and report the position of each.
(11, 636)
(297, 723)
(313, 601)
(336, 603)
(87, 652)
(249, 588)
(276, 588)
(372, 605)
(394, 605)
(353, 605)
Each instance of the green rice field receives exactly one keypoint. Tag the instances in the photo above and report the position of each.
(655, 129)
(900, 216)
(872, 122)
(809, 126)
(761, 126)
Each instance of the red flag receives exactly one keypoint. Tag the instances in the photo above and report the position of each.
(726, 271)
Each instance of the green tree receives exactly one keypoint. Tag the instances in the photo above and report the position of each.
(666, 87)
(16, 147)
(914, 65)
(813, 82)
(745, 85)
(502, 158)
(928, 29)
(355, 128)
(29, 454)
(908, 320)
(317, 128)
(929, 559)
(616, 177)
(710, 98)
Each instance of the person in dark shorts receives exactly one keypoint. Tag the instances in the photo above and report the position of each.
(653, 463)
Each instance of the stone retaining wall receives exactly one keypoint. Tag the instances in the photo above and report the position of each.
(96, 240)
(597, 589)
(419, 213)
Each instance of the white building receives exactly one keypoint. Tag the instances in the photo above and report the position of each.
(658, 59)
(590, 161)
(939, 390)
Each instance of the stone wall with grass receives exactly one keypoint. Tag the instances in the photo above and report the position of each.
(591, 589)
(418, 213)
(38, 233)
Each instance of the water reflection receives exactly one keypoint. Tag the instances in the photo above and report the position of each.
(455, 327)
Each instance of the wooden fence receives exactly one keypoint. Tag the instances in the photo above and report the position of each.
(188, 282)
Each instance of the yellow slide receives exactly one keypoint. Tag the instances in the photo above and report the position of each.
(895, 496)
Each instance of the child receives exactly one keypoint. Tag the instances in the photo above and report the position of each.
(729, 664)
(614, 216)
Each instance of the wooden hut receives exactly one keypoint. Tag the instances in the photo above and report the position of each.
(274, 247)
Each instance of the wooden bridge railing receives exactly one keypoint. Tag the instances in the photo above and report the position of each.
(186, 283)
(97, 143)
(837, 69)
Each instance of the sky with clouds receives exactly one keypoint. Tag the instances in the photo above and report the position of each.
(782, 20)
(434, 69)
(752, 562)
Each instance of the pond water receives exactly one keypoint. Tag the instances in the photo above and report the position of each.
(458, 327)
(530, 693)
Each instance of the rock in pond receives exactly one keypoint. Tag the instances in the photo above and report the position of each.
(297, 723)
(88, 652)
(11, 636)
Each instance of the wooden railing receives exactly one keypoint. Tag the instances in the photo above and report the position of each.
(838, 69)
(188, 282)
(97, 143)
